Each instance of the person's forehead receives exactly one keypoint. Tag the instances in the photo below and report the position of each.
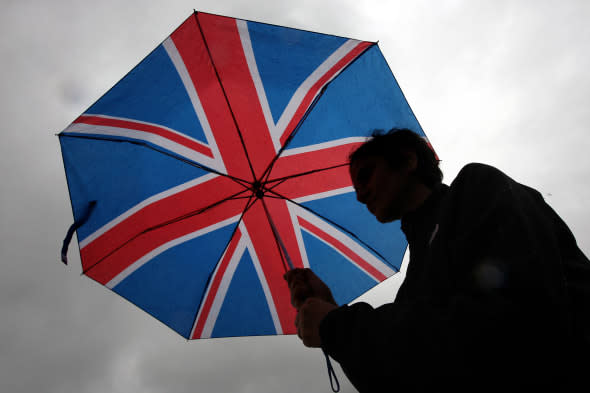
(365, 161)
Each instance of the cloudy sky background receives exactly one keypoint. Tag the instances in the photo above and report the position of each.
(500, 82)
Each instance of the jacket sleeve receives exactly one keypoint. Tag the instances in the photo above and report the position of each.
(503, 310)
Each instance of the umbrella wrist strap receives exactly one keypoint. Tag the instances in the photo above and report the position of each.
(334, 384)
(77, 224)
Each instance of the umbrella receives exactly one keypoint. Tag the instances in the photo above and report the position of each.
(220, 161)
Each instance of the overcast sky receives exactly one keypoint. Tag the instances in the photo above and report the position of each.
(500, 82)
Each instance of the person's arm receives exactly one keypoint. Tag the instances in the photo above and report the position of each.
(503, 312)
(312, 299)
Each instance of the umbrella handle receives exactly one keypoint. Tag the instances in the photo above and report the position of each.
(334, 383)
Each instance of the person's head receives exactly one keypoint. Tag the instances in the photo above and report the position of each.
(393, 172)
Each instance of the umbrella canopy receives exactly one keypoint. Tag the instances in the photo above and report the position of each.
(220, 161)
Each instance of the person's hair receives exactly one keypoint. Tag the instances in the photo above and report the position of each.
(393, 144)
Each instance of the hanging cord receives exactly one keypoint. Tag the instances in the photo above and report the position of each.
(331, 373)
(77, 224)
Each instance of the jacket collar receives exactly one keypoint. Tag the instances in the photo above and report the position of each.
(426, 213)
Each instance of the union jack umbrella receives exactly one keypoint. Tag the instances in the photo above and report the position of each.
(220, 161)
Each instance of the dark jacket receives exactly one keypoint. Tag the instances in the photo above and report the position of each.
(495, 298)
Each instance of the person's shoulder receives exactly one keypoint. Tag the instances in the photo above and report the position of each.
(476, 169)
(480, 175)
(480, 182)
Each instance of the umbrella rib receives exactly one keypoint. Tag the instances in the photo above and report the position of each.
(225, 96)
(163, 224)
(132, 69)
(308, 111)
(281, 180)
(268, 169)
(337, 226)
(249, 204)
(241, 182)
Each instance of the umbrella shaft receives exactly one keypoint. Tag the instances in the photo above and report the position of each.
(279, 240)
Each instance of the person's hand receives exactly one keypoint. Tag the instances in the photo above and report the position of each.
(304, 284)
(310, 315)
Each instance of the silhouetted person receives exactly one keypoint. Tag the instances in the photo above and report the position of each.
(496, 293)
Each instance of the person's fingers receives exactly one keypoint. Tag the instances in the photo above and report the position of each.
(298, 286)
(294, 275)
(299, 328)
(306, 325)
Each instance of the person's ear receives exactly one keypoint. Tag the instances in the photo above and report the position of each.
(411, 161)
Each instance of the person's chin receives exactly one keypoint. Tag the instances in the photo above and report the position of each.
(384, 219)
(380, 218)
